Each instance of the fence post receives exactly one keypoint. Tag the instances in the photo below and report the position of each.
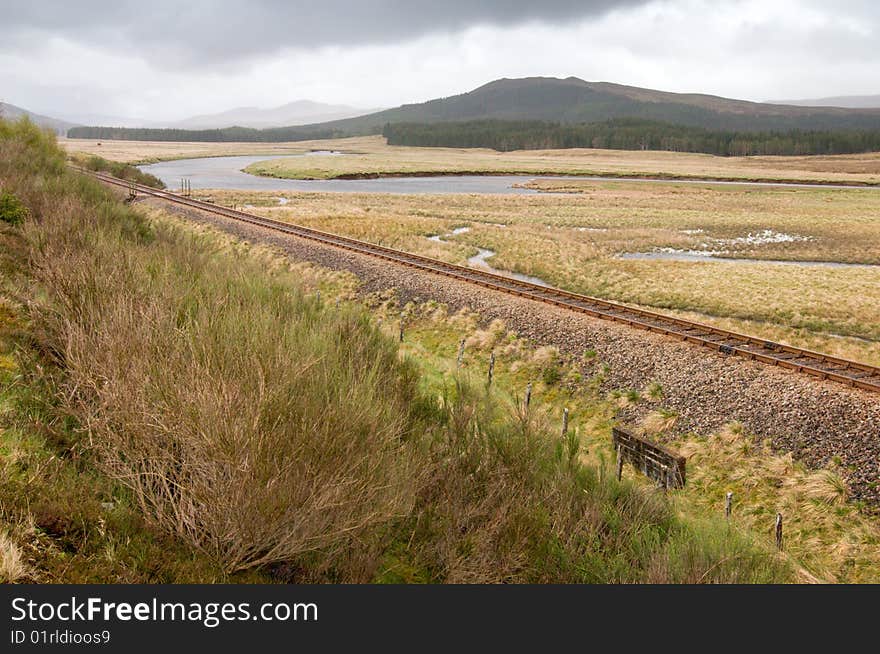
(491, 367)
(460, 354)
(728, 503)
(528, 395)
(619, 462)
(564, 422)
(779, 531)
(401, 329)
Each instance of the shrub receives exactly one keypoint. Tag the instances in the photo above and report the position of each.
(12, 211)
(122, 171)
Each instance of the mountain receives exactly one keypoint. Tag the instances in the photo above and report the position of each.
(301, 112)
(106, 119)
(574, 100)
(11, 112)
(848, 101)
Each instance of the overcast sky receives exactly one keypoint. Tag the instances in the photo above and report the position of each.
(164, 59)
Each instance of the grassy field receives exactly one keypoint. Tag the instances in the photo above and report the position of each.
(141, 152)
(574, 242)
(370, 155)
(179, 406)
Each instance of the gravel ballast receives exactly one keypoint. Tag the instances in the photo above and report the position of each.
(815, 420)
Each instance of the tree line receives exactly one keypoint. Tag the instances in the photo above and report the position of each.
(223, 135)
(629, 134)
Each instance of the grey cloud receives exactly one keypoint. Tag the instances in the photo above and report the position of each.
(195, 33)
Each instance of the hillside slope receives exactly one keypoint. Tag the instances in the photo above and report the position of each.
(11, 112)
(574, 100)
(848, 101)
(300, 112)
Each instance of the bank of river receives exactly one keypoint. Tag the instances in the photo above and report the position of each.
(703, 257)
(228, 173)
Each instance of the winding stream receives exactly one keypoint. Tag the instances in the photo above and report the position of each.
(479, 260)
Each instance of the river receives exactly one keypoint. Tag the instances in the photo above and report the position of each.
(227, 173)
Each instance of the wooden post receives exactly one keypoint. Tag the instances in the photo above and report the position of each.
(728, 503)
(401, 329)
(528, 395)
(491, 367)
(564, 422)
(460, 354)
(779, 531)
(318, 296)
(619, 462)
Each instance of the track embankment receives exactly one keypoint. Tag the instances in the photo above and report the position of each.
(816, 420)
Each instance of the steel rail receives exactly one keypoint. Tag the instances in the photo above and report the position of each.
(817, 364)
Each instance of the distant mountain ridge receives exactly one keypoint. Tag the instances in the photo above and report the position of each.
(11, 112)
(567, 101)
(846, 101)
(573, 100)
(299, 112)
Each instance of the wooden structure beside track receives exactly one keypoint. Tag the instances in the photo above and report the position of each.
(662, 465)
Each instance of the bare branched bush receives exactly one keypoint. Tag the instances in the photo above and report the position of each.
(246, 418)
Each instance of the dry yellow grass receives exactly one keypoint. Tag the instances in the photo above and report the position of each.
(824, 533)
(573, 242)
(12, 565)
(140, 152)
(370, 154)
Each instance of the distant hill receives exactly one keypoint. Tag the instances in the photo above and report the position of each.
(301, 112)
(11, 112)
(848, 101)
(574, 100)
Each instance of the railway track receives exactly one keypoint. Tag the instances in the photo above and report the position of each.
(817, 364)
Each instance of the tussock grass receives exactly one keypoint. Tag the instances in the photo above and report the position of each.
(825, 535)
(573, 242)
(12, 565)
